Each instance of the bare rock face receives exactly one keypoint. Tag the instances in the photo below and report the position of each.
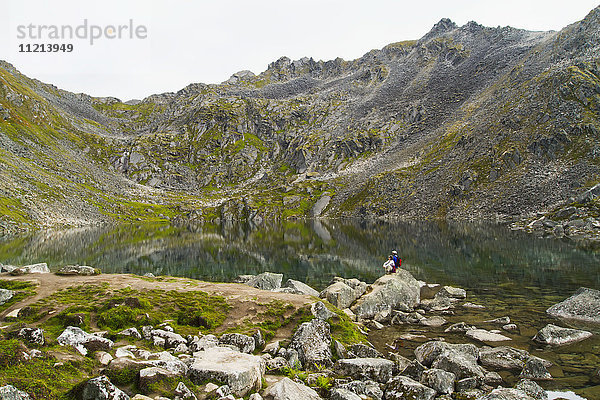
(558, 336)
(241, 372)
(312, 341)
(101, 388)
(287, 389)
(584, 305)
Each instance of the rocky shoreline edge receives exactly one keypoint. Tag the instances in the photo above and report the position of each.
(326, 355)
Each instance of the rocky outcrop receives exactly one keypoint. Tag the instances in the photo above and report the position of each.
(287, 389)
(400, 289)
(312, 341)
(298, 287)
(558, 336)
(584, 305)
(377, 369)
(40, 268)
(241, 372)
(77, 270)
(102, 389)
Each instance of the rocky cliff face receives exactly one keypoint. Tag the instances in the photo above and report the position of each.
(468, 123)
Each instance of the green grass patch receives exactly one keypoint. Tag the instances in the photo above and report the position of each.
(22, 290)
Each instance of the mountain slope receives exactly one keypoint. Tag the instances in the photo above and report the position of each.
(466, 123)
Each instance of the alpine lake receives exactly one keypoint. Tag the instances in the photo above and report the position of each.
(511, 273)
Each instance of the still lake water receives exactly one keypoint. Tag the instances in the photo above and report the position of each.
(511, 273)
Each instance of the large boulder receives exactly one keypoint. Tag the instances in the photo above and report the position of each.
(368, 389)
(298, 287)
(584, 305)
(360, 350)
(266, 281)
(389, 292)
(171, 339)
(377, 369)
(558, 336)
(244, 343)
(460, 364)
(402, 388)
(535, 368)
(101, 388)
(532, 389)
(153, 375)
(6, 295)
(287, 389)
(428, 352)
(9, 392)
(503, 358)
(312, 341)
(343, 394)
(339, 294)
(320, 311)
(240, 371)
(83, 341)
(452, 293)
(40, 268)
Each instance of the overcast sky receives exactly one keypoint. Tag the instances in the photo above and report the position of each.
(206, 41)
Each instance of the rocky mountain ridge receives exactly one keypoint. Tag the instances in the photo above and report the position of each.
(465, 123)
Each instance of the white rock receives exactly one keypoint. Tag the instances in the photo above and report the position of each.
(287, 389)
(485, 336)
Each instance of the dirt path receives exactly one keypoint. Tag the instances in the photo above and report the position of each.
(245, 301)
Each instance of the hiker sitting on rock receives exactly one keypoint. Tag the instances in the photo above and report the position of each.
(389, 266)
(397, 260)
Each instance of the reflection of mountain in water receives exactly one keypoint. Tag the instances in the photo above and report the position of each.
(464, 254)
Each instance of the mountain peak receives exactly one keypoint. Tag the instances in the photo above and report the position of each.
(444, 25)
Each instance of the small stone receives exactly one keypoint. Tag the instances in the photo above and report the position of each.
(510, 327)
(499, 321)
(473, 306)
(460, 327)
(486, 336)
(558, 336)
(535, 369)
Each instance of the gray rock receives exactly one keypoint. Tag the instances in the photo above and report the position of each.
(287, 389)
(9, 392)
(203, 343)
(503, 358)
(171, 339)
(584, 305)
(506, 394)
(369, 389)
(466, 384)
(101, 388)
(360, 350)
(429, 290)
(255, 396)
(359, 287)
(147, 332)
(510, 327)
(340, 350)
(414, 369)
(428, 352)
(439, 380)
(486, 336)
(459, 327)
(32, 335)
(400, 361)
(452, 292)
(266, 281)
(243, 278)
(558, 336)
(272, 348)
(339, 294)
(76, 270)
(243, 343)
(131, 332)
(473, 306)
(389, 292)
(301, 288)
(532, 389)
(149, 275)
(259, 340)
(377, 369)
(320, 311)
(402, 388)
(41, 268)
(460, 364)
(83, 341)
(103, 357)
(499, 321)
(182, 392)
(223, 391)
(434, 321)
(6, 295)
(535, 368)
(277, 364)
(343, 394)
(492, 378)
(240, 371)
(312, 341)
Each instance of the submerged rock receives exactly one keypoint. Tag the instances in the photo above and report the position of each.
(584, 305)
(312, 341)
(287, 389)
(241, 372)
(558, 336)
(377, 369)
(486, 336)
